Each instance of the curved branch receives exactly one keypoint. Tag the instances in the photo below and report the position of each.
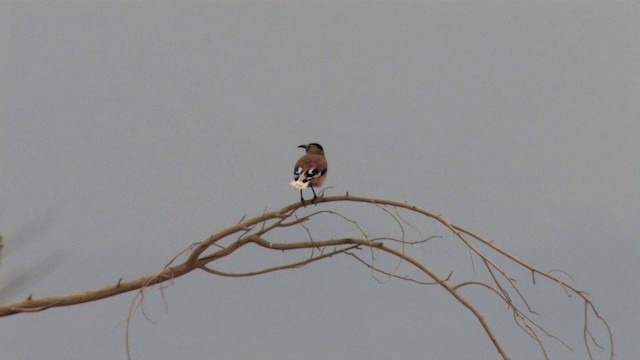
(251, 231)
(281, 267)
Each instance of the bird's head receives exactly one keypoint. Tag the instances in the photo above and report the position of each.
(313, 148)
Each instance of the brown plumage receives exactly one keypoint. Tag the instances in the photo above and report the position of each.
(310, 169)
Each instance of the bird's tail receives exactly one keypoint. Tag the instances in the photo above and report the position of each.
(299, 184)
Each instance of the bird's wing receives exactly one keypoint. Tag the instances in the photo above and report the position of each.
(309, 167)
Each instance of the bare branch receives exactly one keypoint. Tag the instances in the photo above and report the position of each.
(256, 231)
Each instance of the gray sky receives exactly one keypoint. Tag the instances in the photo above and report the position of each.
(130, 130)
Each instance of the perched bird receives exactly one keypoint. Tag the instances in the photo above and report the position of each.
(310, 169)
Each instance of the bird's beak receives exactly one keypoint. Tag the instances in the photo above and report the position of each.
(303, 146)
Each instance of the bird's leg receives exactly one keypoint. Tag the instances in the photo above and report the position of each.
(301, 197)
(314, 196)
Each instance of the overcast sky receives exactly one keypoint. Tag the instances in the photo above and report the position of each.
(130, 130)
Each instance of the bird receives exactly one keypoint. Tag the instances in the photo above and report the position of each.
(310, 169)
